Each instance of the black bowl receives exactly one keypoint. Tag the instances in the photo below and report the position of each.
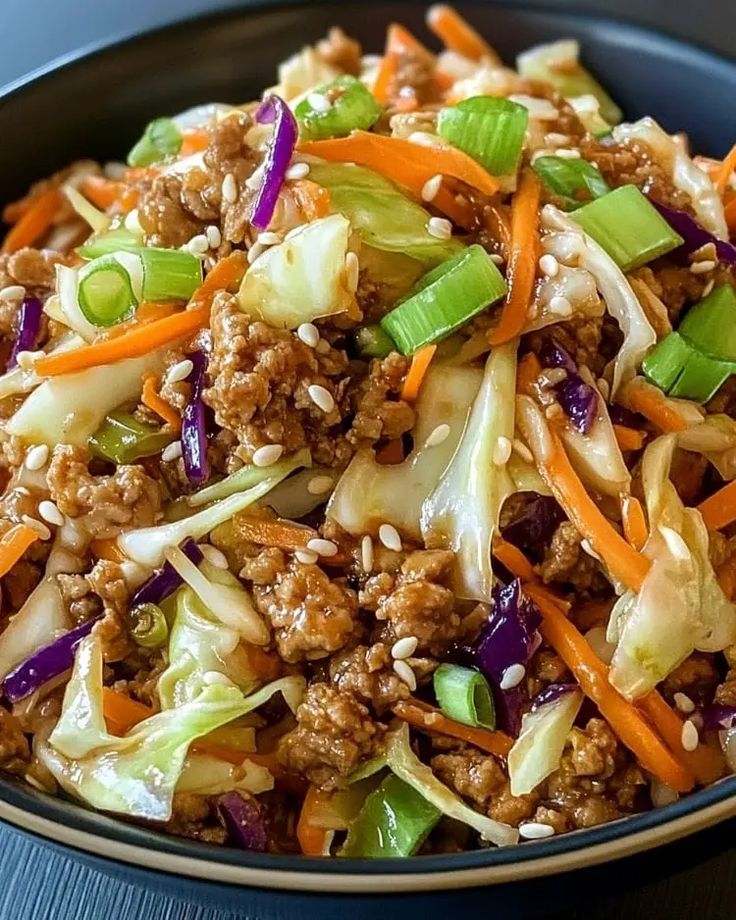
(94, 104)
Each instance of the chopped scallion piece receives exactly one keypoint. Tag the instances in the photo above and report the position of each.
(118, 240)
(160, 139)
(489, 129)
(105, 292)
(464, 695)
(628, 227)
(373, 342)
(122, 438)
(169, 274)
(711, 324)
(347, 105)
(148, 626)
(445, 299)
(574, 181)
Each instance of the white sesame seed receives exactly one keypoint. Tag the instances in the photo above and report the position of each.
(439, 227)
(555, 139)
(431, 187)
(229, 189)
(180, 371)
(318, 485)
(512, 676)
(257, 249)
(49, 512)
(321, 397)
(132, 222)
(13, 292)
(684, 703)
(522, 450)
(268, 238)
(566, 153)
(214, 556)
(560, 305)
(36, 525)
(497, 259)
(404, 648)
(352, 272)
(255, 179)
(661, 793)
(534, 830)
(268, 454)
(389, 536)
(366, 553)
(405, 673)
(309, 334)
(502, 451)
(171, 452)
(549, 265)
(689, 737)
(297, 171)
(198, 245)
(322, 547)
(321, 104)
(700, 268)
(27, 359)
(37, 457)
(438, 435)
(214, 237)
(306, 556)
(115, 169)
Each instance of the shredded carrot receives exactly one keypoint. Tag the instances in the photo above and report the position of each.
(146, 313)
(121, 712)
(730, 212)
(649, 402)
(420, 362)
(107, 549)
(635, 524)
(391, 452)
(13, 544)
(629, 438)
(108, 194)
(512, 558)
(151, 399)
(194, 140)
(527, 372)
(458, 35)
(34, 223)
(522, 264)
(399, 43)
(283, 534)
(311, 199)
(313, 840)
(719, 509)
(722, 175)
(428, 719)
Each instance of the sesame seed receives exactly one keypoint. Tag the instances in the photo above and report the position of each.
(439, 227)
(431, 187)
(567, 153)
(257, 249)
(352, 271)
(404, 648)
(229, 189)
(309, 334)
(554, 138)
(180, 371)
(171, 452)
(255, 179)
(13, 292)
(132, 222)
(36, 525)
(322, 547)
(512, 676)
(49, 512)
(684, 703)
(535, 830)
(389, 536)
(321, 104)
(115, 169)
(298, 171)
(214, 237)
(662, 794)
(268, 454)
(497, 259)
(306, 556)
(198, 245)
(689, 737)
(27, 359)
(405, 673)
(549, 265)
(700, 268)
(366, 553)
(37, 457)
(318, 485)
(502, 451)
(214, 556)
(268, 238)
(522, 450)
(321, 397)
(438, 435)
(560, 305)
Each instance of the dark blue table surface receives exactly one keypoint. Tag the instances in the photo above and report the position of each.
(694, 880)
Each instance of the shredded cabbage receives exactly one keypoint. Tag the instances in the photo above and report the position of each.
(715, 439)
(206, 775)
(41, 619)
(596, 456)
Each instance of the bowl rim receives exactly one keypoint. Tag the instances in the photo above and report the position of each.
(72, 825)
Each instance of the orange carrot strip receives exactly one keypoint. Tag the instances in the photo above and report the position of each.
(121, 712)
(730, 212)
(512, 558)
(428, 719)
(399, 42)
(635, 524)
(522, 264)
(34, 223)
(151, 399)
(420, 362)
(313, 840)
(312, 199)
(458, 35)
(108, 549)
(629, 438)
(13, 544)
(108, 194)
(194, 140)
(720, 509)
(624, 718)
(650, 403)
(527, 371)
(279, 533)
(722, 175)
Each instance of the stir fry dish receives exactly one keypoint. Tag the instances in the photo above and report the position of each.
(369, 461)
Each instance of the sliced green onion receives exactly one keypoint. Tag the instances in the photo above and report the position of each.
(394, 821)
(575, 181)
(347, 105)
(118, 240)
(711, 324)
(169, 274)
(628, 227)
(122, 438)
(487, 128)
(160, 139)
(445, 299)
(105, 291)
(148, 626)
(373, 342)
(464, 695)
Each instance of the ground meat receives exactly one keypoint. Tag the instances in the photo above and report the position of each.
(260, 377)
(102, 590)
(675, 285)
(473, 775)
(414, 75)
(15, 753)
(546, 667)
(566, 562)
(12, 449)
(340, 52)
(143, 685)
(687, 472)
(696, 677)
(33, 268)
(259, 564)
(379, 411)
(194, 817)
(104, 504)
(334, 734)
(311, 615)
(368, 673)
